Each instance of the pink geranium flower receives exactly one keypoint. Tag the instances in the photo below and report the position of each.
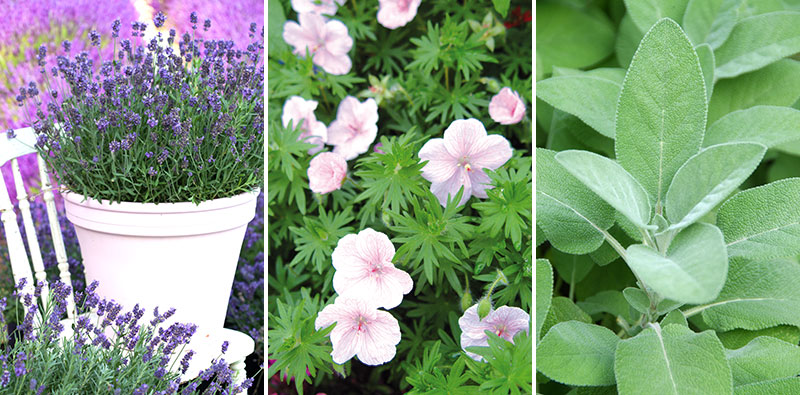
(504, 322)
(301, 112)
(355, 127)
(326, 172)
(326, 7)
(364, 269)
(361, 329)
(327, 41)
(506, 107)
(395, 13)
(459, 159)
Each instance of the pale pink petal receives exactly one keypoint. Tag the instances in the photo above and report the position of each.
(364, 270)
(470, 342)
(511, 319)
(355, 127)
(492, 151)
(441, 165)
(298, 109)
(326, 172)
(330, 314)
(346, 346)
(395, 13)
(326, 7)
(297, 37)
(382, 336)
(506, 107)
(450, 187)
(333, 64)
(471, 325)
(480, 183)
(345, 252)
(505, 322)
(462, 135)
(337, 38)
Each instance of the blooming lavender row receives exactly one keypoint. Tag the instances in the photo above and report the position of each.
(115, 341)
(155, 124)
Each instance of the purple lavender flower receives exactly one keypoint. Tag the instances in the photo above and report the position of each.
(5, 378)
(95, 37)
(159, 19)
(19, 364)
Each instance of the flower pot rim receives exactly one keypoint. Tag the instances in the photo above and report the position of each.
(178, 207)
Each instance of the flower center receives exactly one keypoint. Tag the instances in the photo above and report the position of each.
(464, 161)
(403, 5)
(498, 330)
(362, 323)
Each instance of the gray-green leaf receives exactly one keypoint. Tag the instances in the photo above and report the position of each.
(768, 125)
(561, 310)
(757, 295)
(572, 216)
(592, 99)
(611, 182)
(544, 291)
(777, 85)
(763, 222)
(789, 385)
(672, 360)
(661, 112)
(694, 269)
(645, 13)
(765, 358)
(758, 41)
(707, 178)
(576, 353)
(710, 21)
(706, 56)
(571, 38)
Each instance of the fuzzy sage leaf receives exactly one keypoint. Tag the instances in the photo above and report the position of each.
(758, 41)
(688, 273)
(661, 112)
(611, 182)
(578, 353)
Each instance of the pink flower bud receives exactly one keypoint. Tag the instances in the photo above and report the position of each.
(506, 107)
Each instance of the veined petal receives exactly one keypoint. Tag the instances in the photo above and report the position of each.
(492, 151)
(345, 252)
(450, 187)
(381, 339)
(347, 346)
(480, 183)
(462, 135)
(441, 165)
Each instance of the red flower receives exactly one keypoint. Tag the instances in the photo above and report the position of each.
(518, 18)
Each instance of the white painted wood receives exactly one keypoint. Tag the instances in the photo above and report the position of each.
(30, 232)
(55, 234)
(20, 266)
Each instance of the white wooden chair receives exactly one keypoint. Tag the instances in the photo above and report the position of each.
(206, 347)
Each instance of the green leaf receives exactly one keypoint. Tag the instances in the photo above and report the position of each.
(777, 85)
(612, 302)
(501, 6)
(758, 294)
(570, 38)
(738, 338)
(637, 299)
(276, 19)
(693, 270)
(662, 109)
(572, 216)
(611, 182)
(707, 178)
(646, 13)
(758, 41)
(544, 291)
(706, 56)
(767, 125)
(571, 268)
(561, 310)
(569, 132)
(763, 222)
(576, 353)
(672, 360)
(592, 99)
(765, 358)
(628, 40)
(674, 317)
(710, 21)
(789, 385)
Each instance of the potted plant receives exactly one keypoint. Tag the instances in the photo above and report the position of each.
(160, 152)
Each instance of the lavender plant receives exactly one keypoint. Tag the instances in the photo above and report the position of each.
(399, 186)
(666, 213)
(154, 124)
(115, 353)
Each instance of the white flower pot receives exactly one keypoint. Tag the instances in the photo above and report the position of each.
(179, 255)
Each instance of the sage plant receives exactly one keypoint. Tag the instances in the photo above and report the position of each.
(668, 241)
